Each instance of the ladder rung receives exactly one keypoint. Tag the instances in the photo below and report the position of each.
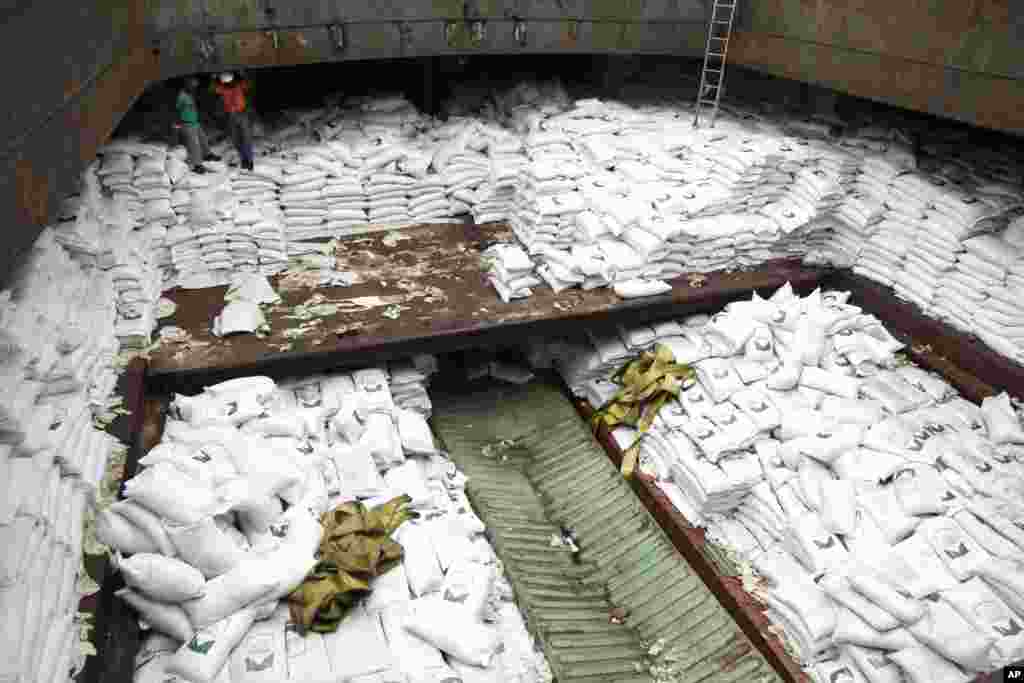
(711, 102)
(718, 71)
(716, 54)
(722, 21)
(719, 38)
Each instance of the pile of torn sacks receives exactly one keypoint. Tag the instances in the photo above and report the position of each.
(310, 531)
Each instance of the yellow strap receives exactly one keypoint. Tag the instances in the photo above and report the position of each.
(647, 382)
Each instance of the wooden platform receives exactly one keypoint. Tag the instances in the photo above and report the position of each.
(432, 277)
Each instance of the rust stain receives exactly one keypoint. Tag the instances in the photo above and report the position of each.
(33, 193)
(569, 38)
(728, 661)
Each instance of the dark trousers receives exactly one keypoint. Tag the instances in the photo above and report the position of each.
(195, 143)
(241, 134)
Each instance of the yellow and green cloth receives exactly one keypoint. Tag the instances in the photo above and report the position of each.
(356, 547)
(647, 383)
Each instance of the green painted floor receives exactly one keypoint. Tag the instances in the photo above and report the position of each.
(534, 468)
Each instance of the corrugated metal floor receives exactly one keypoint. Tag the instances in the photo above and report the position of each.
(533, 469)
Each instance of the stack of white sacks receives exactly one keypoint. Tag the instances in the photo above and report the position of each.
(938, 243)
(57, 353)
(882, 510)
(602, 193)
(137, 174)
(223, 523)
(510, 271)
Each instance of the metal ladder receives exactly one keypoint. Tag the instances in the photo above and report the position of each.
(715, 51)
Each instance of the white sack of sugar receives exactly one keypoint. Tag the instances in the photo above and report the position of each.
(162, 578)
(358, 646)
(983, 609)
(261, 656)
(957, 550)
(117, 532)
(206, 547)
(307, 656)
(419, 559)
(875, 665)
(946, 632)
(249, 582)
(166, 618)
(1002, 421)
(453, 630)
(148, 522)
(907, 610)
(171, 495)
(387, 589)
(202, 657)
(924, 665)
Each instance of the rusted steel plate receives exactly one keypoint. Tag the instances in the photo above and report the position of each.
(49, 163)
(373, 40)
(974, 36)
(975, 98)
(232, 15)
(90, 36)
(433, 275)
(305, 46)
(245, 48)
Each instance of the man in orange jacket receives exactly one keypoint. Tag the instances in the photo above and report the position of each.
(233, 94)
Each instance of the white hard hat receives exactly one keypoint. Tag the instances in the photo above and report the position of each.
(227, 77)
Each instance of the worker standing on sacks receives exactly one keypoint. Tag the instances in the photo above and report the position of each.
(233, 94)
(191, 130)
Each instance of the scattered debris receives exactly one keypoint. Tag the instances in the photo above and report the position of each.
(85, 629)
(697, 280)
(392, 312)
(294, 333)
(337, 278)
(330, 248)
(174, 335)
(393, 238)
(184, 340)
(349, 329)
(104, 416)
(922, 348)
(618, 615)
(499, 449)
(165, 308)
(316, 306)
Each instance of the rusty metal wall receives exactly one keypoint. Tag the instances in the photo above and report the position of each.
(71, 72)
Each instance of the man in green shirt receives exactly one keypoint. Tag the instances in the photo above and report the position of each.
(191, 130)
